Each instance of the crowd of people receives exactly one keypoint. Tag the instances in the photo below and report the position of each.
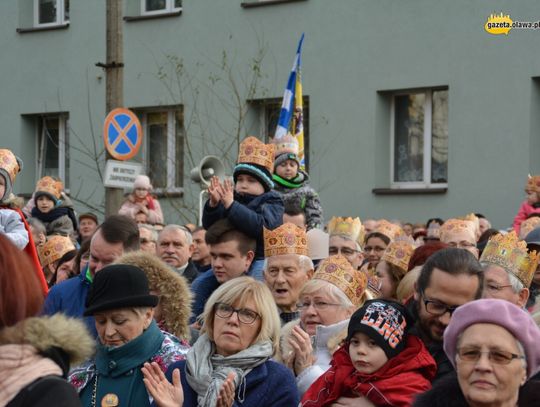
(264, 304)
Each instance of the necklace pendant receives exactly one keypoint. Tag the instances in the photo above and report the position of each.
(110, 400)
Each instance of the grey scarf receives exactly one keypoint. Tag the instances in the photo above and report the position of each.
(206, 371)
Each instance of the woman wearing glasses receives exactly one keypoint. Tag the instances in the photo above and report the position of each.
(327, 302)
(493, 346)
(230, 364)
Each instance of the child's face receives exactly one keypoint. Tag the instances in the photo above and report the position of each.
(287, 169)
(44, 204)
(141, 193)
(246, 184)
(532, 197)
(2, 186)
(366, 356)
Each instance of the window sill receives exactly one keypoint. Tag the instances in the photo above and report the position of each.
(47, 28)
(409, 191)
(261, 3)
(153, 16)
(171, 193)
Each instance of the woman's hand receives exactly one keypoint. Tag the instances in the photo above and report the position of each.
(302, 357)
(227, 193)
(352, 402)
(226, 392)
(214, 192)
(164, 393)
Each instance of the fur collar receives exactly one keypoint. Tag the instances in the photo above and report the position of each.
(49, 333)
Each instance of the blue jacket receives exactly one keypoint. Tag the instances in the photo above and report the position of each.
(69, 297)
(268, 385)
(249, 214)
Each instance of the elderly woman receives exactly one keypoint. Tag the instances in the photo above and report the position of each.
(493, 344)
(327, 302)
(230, 364)
(121, 303)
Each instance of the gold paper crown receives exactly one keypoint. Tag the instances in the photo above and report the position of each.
(352, 228)
(54, 248)
(527, 226)
(533, 183)
(457, 225)
(286, 144)
(388, 229)
(286, 239)
(9, 163)
(254, 151)
(399, 253)
(510, 253)
(50, 186)
(338, 271)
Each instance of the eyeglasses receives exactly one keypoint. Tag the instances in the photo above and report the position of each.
(496, 288)
(144, 241)
(437, 308)
(376, 249)
(245, 316)
(499, 357)
(318, 305)
(332, 251)
(461, 245)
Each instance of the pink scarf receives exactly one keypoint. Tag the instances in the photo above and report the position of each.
(20, 365)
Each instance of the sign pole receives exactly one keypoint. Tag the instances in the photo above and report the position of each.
(114, 68)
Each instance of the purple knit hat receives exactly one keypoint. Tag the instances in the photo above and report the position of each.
(498, 312)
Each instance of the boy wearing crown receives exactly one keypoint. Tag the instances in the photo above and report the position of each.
(250, 205)
(293, 183)
(508, 269)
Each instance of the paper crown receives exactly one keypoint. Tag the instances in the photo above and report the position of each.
(388, 229)
(533, 183)
(254, 151)
(352, 228)
(50, 186)
(528, 225)
(510, 253)
(318, 242)
(399, 253)
(286, 239)
(285, 145)
(54, 248)
(9, 163)
(338, 271)
(457, 226)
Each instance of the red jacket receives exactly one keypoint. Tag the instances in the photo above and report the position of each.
(395, 384)
(524, 210)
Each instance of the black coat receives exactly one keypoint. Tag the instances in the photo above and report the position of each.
(447, 393)
(45, 392)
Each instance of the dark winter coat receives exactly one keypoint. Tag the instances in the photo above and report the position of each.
(300, 195)
(447, 393)
(249, 214)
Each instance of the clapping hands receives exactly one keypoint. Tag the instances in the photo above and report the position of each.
(220, 192)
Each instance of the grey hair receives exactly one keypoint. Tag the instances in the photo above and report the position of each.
(315, 285)
(151, 229)
(515, 282)
(348, 238)
(187, 233)
(304, 262)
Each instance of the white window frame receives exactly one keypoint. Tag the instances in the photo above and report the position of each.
(60, 15)
(426, 184)
(169, 8)
(171, 148)
(63, 122)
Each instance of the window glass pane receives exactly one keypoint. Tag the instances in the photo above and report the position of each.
(155, 5)
(439, 137)
(49, 144)
(179, 149)
(47, 11)
(66, 10)
(271, 114)
(66, 158)
(177, 3)
(157, 148)
(409, 138)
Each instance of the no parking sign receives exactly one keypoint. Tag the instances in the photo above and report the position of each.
(122, 133)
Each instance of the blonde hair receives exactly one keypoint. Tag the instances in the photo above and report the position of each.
(316, 285)
(405, 288)
(239, 291)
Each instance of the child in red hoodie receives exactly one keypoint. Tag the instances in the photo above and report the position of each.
(379, 361)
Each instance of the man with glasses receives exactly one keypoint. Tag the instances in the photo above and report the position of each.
(449, 278)
(346, 235)
(461, 234)
(148, 238)
(508, 268)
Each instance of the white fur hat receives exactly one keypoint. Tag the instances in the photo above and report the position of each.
(142, 181)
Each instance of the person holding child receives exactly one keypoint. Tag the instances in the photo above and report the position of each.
(379, 362)
(140, 204)
(293, 183)
(251, 204)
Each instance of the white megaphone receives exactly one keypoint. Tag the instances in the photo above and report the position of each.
(207, 168)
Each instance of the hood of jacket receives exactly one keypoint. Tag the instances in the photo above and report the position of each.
(56, 336)
(173, 290)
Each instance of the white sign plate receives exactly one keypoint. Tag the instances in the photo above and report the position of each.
(121, 174)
